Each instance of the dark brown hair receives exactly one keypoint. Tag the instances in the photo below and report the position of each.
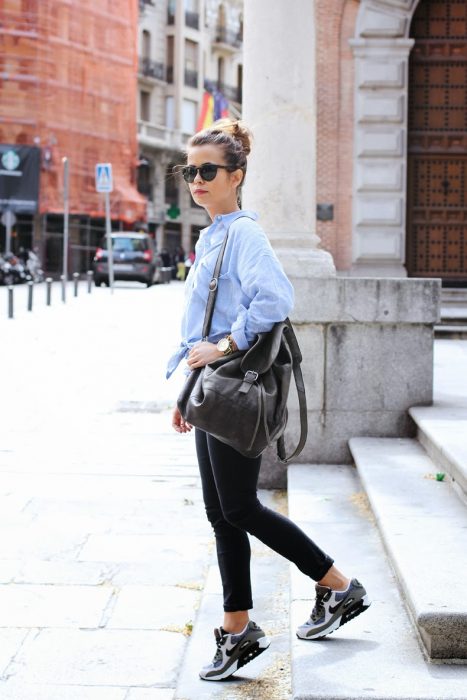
(232, 136)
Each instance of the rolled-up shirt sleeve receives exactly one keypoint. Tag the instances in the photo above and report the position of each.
(271, 295)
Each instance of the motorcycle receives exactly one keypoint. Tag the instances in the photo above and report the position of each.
(12, 270)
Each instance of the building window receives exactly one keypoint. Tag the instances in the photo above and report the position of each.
(169, 113)
(170, 58)
(192, 14)
(191, 63)
(171, 185)
(146, 44)
(189, 110)
(145, 106)
(220, 70)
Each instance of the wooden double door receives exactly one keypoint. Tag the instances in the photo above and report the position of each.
(437, 144)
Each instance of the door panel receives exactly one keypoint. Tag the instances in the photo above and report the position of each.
(437, 145)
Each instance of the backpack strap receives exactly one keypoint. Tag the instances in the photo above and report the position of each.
(292, 342)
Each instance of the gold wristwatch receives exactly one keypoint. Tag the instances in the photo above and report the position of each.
(226, 345)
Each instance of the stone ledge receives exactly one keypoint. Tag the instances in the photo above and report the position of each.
(366, 300)
(441, 431)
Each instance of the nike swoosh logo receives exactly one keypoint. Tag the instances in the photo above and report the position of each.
(348, 602)
(244, 645)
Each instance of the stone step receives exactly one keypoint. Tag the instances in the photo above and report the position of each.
(442, 432)
(423, 524)
(450, 331)
(376, 656)
(453, 295)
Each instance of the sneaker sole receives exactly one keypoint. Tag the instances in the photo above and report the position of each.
(359, 607)
(251, 653)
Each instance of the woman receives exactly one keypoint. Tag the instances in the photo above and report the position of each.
(253, 294)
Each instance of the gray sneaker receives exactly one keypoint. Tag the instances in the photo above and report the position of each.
(333, 609)
(234, 651)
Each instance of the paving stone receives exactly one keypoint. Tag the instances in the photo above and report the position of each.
(151, 694)
(24, 542)
(141, 548)
(52, 606)
(10, 642)
(101, 658)
(154, 607)
(8, 569)
(173, 571)
(12, 690)
(61, 572)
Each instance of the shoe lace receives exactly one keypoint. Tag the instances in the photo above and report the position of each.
(220, 640)
(318, 610)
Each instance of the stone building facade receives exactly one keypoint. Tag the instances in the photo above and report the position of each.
(392, 136)
(185, 46)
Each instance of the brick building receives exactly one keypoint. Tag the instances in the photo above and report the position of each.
(392, 136)
(68, 85)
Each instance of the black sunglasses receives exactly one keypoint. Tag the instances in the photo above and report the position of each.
(207, 171)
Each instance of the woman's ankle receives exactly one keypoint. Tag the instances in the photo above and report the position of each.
(235, 622)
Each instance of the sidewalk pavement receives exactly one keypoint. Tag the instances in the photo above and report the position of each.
(106, 549)
(105, 546)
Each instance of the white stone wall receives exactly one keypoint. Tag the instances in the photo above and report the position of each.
(381, 50)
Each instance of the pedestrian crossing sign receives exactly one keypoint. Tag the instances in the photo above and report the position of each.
(104, 177)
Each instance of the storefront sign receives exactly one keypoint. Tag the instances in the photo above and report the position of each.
(19, 178)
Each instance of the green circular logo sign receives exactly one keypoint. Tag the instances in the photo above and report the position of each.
(10, 160)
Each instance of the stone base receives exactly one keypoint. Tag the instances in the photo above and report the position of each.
(367, 348)
(305, 262)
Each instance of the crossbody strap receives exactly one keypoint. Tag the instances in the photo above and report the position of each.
(299, 383)
(213, 286)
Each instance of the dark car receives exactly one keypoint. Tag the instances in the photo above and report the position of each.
(134, 258)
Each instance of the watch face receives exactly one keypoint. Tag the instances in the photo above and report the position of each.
(223, 344)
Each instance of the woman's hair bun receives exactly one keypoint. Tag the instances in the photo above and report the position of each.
(237, 129)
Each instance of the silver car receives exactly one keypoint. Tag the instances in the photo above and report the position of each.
(134, 258)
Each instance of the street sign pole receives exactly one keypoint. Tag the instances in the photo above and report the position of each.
(104, 183)
(108, 229)
(66, 216)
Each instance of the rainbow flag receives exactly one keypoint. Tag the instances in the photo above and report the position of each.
(206, 116)
(221, 106)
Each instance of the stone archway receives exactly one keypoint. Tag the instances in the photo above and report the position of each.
(381, 49)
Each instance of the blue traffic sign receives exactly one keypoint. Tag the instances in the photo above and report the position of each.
(104, 177)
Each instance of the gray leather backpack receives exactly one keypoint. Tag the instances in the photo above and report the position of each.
(241, 399)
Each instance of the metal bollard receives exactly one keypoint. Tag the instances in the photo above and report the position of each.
(10, 302)
(63, 280)
(30, 293)
(48, 283)
(90, 275)
(75, 282)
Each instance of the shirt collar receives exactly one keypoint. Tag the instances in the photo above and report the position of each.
(222, 222)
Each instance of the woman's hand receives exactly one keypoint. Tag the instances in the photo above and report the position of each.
(178, 423)
(202, 354)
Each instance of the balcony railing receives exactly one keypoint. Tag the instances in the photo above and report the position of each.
(192, 20)
(191, 78)
(230, 92)
(152, 69)
(227, 36)
(170, 74)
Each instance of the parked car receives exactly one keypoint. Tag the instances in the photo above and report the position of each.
(134, 258)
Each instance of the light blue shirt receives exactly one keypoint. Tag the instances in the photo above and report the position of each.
(253, 292)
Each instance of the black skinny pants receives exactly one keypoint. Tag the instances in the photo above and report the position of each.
(229, 483)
